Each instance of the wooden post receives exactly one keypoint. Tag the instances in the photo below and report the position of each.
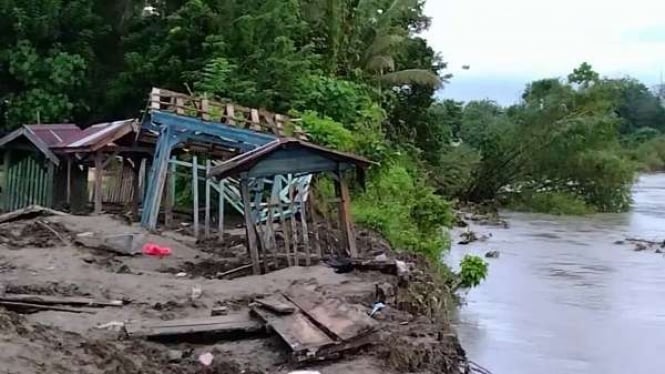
(98, 182)
(49, 182)
(169, 196)
(294, 226)
(345, 216)
(136, 198)
(195, 194)
(249, 226)
(315, 225)
(69, 180)
(303, 225)
(207, 207)
(220, 221)
(6, 180)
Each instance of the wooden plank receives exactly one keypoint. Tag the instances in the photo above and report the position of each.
(249, 227)
(277, 304)
(345, 217)
(58, 300)
(239, 323)
(195, 194)
(49, 183)
(69, 180)
(98, 182)
(169, 194)
(6, 178)
(294, 227)
(331, 314)
(220, 221)
(28, 306)
(297, 331)
(207, 200)
(28, 212)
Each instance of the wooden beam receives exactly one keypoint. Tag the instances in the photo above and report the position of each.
(195, 194)
(231, 324)
(250, 228)
(99, 168)
(136, 198)
(220, 221)
(207, 200)
(345, 216)
(169, 194)
(69, 180)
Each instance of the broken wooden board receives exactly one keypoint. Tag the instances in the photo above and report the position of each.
(337, 318)
(276, 303)
(297, 331)
(121, 244)
(240, 323)
(28, 212)
(58, 300)
(28, 307)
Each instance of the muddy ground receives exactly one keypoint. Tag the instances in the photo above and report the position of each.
(33, 259)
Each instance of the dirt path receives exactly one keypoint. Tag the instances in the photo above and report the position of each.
(59, 342)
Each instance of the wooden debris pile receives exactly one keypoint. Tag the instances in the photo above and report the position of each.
(27, 303)
(312, 326)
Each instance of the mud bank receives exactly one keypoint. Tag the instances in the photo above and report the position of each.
(413, 336)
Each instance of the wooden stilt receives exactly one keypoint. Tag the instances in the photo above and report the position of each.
(69, 181)
(195, 194)
(207, 206)
(249, 226)
(98, 182)
(169, 195)
(303, 226)
(294, 227)
(220, 221)
(136, 197)
(345, 216)
(315, 225)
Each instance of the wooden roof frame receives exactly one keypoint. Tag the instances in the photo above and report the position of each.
(38, 143)
(248, 162)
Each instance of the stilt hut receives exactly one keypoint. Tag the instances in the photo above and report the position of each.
(288, 156)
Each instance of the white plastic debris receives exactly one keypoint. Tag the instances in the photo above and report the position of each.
(206, 358)
(113, 325)
(402, 267)
(181, 275)
(381, 257)
(377, 307)
(196, 292)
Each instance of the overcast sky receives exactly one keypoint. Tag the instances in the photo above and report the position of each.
(507, 43)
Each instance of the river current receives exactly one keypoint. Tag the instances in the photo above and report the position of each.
(564, 298)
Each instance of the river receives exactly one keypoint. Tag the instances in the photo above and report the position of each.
(563, 298)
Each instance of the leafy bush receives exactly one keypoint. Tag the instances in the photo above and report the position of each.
(473, 270)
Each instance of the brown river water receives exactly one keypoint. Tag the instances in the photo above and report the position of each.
(563, 298)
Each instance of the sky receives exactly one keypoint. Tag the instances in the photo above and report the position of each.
(508, 43)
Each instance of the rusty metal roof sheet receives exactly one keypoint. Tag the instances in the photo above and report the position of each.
(102, 134)
(55, 134)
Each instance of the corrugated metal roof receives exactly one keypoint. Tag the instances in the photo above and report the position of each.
(55, 134)
(101, 132)
(246, 161)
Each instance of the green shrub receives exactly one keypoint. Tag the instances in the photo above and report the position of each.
(473, 270)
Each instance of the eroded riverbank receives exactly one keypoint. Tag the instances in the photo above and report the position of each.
(563, 298)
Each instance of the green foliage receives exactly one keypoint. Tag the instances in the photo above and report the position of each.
(327, 132)
(473, 270)
(405, 209)
(649, 154)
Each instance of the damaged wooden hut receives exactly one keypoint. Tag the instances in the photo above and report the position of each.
(49, 165)
(254, 161)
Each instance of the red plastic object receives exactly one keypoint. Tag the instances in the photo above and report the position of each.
(152, 249)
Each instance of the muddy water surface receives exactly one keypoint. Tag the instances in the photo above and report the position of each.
(563, 298)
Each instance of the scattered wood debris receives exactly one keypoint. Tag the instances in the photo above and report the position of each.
(59, 300)
(29, 212)
(277, 304)
(121, 244)
(229, 325)
(32, 308)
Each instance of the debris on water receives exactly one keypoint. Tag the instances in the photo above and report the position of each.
(113, 326)
(196, 292)
(467, 236)
(640, 247)
(619, 242)
(377, 308)
(181, 275)
(492, 254)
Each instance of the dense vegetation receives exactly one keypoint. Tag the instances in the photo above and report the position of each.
(361, 79)
(571, 146)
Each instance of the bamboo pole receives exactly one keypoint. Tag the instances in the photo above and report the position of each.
(195, 193)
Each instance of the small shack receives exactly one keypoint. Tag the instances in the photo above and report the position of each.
(48, 164)
(289, 156)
